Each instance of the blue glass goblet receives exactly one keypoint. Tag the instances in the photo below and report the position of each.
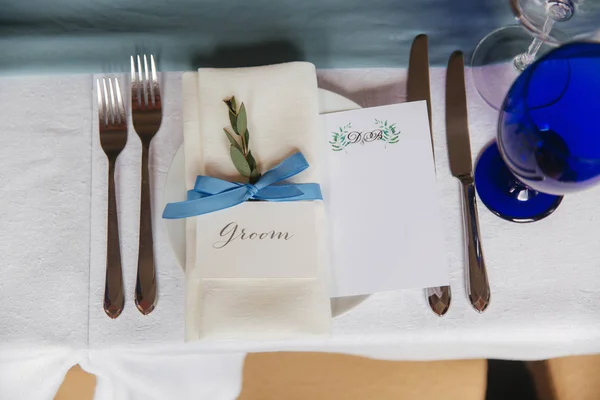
(548, 140)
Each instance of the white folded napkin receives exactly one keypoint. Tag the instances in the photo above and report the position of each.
(283, 119)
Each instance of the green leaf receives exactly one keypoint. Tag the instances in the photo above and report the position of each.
(232, 139)
(233, 106)
(239, 161)
(254, 175)
(242, 122)
(233, 121)
(251, 161)
(247, 138)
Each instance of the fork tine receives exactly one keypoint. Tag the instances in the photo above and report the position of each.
(143, 89)
(113, 106)
(150, 73)
(147, 87)
(101, 110)
(155, 83)
(135, 97)
(120, 106)
(106, 104)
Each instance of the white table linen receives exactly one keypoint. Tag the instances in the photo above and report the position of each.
(545, 277)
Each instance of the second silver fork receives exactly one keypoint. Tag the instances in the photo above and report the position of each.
(146, 113)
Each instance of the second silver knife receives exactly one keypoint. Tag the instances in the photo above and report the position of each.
(461, 166)
(417, 88)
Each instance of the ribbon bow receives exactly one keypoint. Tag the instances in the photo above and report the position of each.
(213, 194)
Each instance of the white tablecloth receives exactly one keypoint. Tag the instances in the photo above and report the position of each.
(545, 277)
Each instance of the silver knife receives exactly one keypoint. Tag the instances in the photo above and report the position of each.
(461, 166)
(417, 88)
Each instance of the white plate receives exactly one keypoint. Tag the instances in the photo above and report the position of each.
(175, 191)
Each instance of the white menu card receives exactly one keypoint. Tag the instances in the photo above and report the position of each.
(381, 199)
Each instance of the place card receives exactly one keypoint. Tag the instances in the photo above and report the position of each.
(381, 200)
(259, 239)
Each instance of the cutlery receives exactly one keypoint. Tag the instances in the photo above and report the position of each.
(461, 166)
(113, 137)
(417, 88)
(146, 111)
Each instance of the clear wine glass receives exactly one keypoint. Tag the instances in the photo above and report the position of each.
(548, 140)
(544, 24)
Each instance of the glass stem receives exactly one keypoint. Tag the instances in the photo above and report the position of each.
(524, 60)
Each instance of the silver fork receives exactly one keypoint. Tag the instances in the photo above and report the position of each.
(113, 137)
(146, 111)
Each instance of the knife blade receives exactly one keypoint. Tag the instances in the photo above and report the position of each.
(417, 85)
(417, 89)
(461, 166)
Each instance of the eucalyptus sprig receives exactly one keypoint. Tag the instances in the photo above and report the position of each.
(240, 152)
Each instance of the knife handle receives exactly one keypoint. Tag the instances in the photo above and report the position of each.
(439, 299)
(478, 287)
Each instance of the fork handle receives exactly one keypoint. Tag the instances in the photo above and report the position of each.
(145, 288)
(114, 299)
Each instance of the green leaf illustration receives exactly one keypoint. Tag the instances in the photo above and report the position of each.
(239, 161)
(389, 135)
(339, 140)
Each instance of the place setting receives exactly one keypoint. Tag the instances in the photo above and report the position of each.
(355, 136)
(260, 206)
(220, 211)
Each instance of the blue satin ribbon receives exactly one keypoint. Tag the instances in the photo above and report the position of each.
(213, 194)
